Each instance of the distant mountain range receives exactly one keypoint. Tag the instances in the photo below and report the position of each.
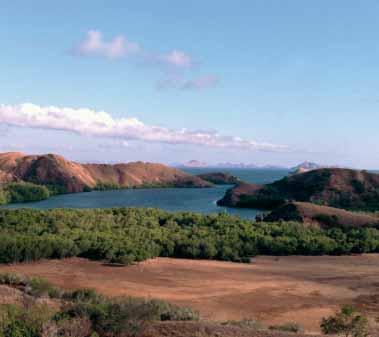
(303, 167)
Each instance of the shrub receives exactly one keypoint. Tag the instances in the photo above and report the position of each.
(246, 324)
(327, 220)
(25, 192)
(348, 322)
(3, 197)
(39, 287)
(288, 327)
(12, 279)
(16, 321)
(83, 295)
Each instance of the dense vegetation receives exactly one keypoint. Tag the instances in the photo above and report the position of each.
(125, 235)
(82, 313)
(22, 192)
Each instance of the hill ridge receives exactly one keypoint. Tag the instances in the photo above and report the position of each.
(53, 169)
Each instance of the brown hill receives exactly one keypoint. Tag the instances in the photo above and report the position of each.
(321, 216)
(74, 177)
(341, 188)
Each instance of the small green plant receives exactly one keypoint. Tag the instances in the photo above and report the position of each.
(12, 279)
(288, 327)
(250, 324)
(39, 287)
(348, 322)
(17, 321)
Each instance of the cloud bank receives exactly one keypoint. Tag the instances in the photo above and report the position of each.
(85, 121)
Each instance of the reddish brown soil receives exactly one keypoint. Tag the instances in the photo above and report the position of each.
(273, 290)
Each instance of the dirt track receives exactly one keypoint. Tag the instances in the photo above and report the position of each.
(273, 290)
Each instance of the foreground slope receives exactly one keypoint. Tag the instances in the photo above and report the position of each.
(74, 177)
(272, 290)
(341, 188)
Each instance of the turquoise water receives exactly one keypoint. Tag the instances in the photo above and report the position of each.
(202, 200)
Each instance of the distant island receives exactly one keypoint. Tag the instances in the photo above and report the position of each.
(227, 165)
(303, 167)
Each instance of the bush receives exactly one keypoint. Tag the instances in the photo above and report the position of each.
(39, 287)
(246, 324)
(16, 321)
(3, 197)
(83, 295)
(12, 279)
(288, 327)
(33, 286)
(348, 322)
(327, 220)
(25, 192)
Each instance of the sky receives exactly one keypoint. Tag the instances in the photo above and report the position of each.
(264, 82)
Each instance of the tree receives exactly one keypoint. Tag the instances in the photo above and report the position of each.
(348, 322)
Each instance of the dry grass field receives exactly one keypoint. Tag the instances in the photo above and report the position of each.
(273, 290)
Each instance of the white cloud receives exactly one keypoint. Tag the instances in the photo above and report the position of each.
(178, 59)
(85, 121)
(173, 62)
(118, 47)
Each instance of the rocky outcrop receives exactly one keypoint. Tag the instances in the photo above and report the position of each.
(321, 216)
(74, 177)
(341, 188)
(219, 178)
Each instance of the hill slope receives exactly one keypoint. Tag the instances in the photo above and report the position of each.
(341, 188)
(321, 216)
(74, 177)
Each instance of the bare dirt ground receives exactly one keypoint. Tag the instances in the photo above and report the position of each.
(274, 290)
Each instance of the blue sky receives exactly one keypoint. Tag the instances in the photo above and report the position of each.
(266, 82)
